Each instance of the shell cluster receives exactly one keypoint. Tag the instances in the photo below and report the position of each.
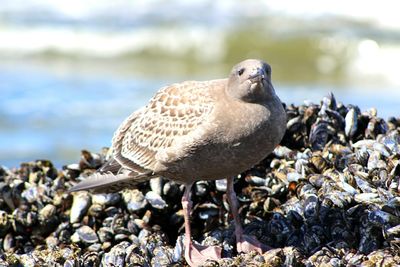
(329, 194)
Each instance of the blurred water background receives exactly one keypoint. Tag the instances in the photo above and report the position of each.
(72, 70)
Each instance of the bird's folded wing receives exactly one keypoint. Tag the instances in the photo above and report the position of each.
(175, 111)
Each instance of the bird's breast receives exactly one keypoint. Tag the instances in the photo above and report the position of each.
(239, 137)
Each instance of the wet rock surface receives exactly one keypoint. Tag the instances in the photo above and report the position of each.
(328, 195)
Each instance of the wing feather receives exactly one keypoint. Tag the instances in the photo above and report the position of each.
(173, 112)
(109, 182)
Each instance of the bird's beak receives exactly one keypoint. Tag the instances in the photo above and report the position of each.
(257, 76)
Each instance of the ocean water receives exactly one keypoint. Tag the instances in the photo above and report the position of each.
(71, 71)
(53, 117)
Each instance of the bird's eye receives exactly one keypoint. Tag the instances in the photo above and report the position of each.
(240, 72)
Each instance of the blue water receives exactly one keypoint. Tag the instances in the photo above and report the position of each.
(48, 116)
(54, 116)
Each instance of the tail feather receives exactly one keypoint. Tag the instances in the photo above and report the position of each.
(111, 165)
(109, 182)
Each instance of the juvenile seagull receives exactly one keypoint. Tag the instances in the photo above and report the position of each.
(193, 131)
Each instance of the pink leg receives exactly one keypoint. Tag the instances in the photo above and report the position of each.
(195, 255)
(244, 243)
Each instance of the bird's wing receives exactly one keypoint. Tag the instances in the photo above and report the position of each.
(175, 111)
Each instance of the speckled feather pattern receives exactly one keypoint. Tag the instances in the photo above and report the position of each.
(174, 112)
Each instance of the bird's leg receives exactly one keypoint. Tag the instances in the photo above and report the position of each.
(195, 255)
(244, 243)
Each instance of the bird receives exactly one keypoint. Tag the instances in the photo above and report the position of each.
(198, 130)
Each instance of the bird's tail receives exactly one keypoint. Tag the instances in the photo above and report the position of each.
(109, 182)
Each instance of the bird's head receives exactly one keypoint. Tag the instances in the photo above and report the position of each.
(250, 81)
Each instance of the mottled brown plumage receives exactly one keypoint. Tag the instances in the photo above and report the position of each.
(193, 131)
(175, 112)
